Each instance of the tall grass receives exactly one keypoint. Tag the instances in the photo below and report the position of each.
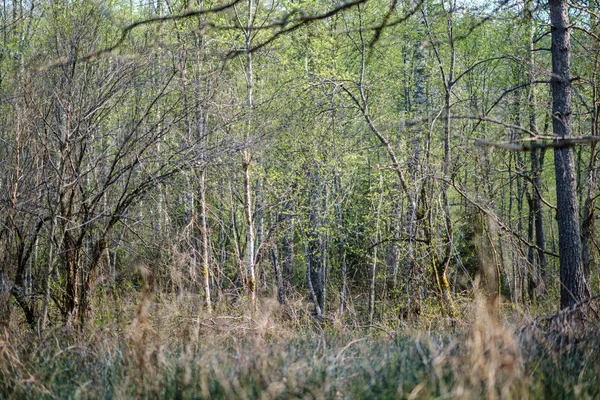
(172, 350)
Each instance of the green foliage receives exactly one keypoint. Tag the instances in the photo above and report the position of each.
(171, 101)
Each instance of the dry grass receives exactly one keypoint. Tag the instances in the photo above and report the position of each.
(170, 349)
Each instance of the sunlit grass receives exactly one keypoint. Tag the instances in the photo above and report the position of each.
(177, 352)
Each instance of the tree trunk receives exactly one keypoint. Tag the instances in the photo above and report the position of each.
(249, 232)
(537, 159)
(323, 243)
(314, 249)
(236, 240)
(341, 241)
(375, 246)
(573, 286)
(308, 255)
(247, 158)
(288, 250)
(259, 222)
(588, 229)
(441, 264)
(203, 225)
(278, 274)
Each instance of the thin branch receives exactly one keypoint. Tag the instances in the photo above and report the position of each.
(384, 141)
(584, 9)
(537, 190)
(512, 89)
(497, 122)
(385, 24)
(481, 22)
(126, 30)
(296, 24)
(466, 71)
(493, 215)
(590, 33)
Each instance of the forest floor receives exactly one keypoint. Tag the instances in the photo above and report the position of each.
(166, 349)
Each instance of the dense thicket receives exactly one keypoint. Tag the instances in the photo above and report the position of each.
(384, 160)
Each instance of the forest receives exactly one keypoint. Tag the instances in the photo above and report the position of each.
(299, 199)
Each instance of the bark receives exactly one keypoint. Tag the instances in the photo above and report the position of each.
(540, 235)
(395, 250)
(202, 130)
(376, 240)
(288, 251)
(259, 241)
(537, 160)
(249, 233)
(236, 240)
(588, 229)
(224, 243)
(247, 158)
(315, 247)
(204, 247)
(531, 263)
(278, 274)
(341, 242)
(323, 250)
(572, 279)
(309, 278)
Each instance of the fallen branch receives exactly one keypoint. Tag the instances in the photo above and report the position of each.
(536, 143)
(562, 314)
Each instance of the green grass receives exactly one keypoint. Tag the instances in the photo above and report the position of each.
(269, 355)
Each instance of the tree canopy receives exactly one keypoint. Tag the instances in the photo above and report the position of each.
(381, 157)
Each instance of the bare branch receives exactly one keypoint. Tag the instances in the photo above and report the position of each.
(512, 89)
(588, 32)
(584, 9)
(512, 58)
(385, 24)
(296, 24)
(126, 30)
(497, 122)
(497, 219)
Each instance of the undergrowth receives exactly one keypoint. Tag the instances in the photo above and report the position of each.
(172, 350)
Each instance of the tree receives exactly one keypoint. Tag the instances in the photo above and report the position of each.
(208, 140)
(572, 278)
